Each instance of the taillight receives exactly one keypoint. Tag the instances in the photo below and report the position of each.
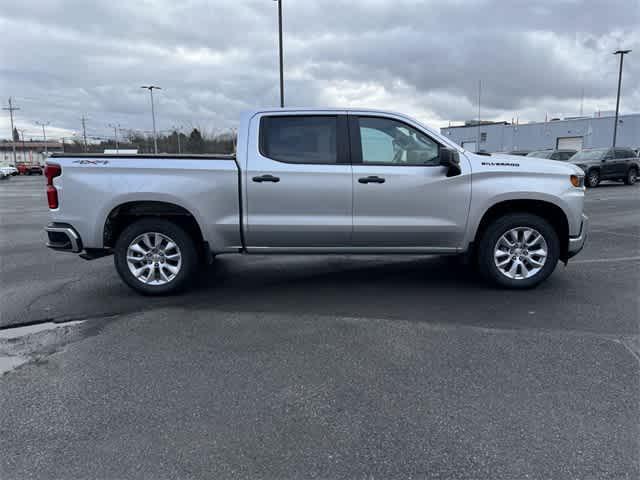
(51, 171)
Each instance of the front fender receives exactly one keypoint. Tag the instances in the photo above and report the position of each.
(489, 190)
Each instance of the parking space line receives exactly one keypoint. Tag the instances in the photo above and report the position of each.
(607, 260)
(628, 235)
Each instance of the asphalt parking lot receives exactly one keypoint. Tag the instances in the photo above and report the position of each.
(325, 367)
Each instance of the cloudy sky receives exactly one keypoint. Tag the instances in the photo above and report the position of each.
(65, 58)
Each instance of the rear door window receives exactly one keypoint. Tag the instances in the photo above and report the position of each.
(300, 138)
(623, 153)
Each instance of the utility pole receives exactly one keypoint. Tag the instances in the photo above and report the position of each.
(479, 97)
(582, 103)
(115, 130)
(84, 132)
(622, 53)
(281, 59)
(11, 109)
(44, 135)
(153, 115)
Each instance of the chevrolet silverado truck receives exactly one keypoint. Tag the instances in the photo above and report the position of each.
(309, 181)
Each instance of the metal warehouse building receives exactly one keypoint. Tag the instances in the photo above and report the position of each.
(575, 133)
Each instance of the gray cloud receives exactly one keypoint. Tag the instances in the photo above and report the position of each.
(214, 59)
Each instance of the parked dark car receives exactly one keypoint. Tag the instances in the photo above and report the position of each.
(557, 154)
(599, 164)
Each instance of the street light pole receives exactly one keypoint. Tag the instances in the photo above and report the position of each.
(153, 115)
(479, 98)
(622, 53)
(115, 130)
(24, 147)
(44, 135)
(280, 47)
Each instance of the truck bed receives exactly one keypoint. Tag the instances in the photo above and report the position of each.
(94, 186)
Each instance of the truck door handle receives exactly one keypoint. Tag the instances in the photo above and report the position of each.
(371, 179)
(266, 178)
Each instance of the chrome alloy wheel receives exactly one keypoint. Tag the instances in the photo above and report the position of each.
(520, 253)
(153, 258)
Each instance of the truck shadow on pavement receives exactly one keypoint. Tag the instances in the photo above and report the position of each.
(438, 289)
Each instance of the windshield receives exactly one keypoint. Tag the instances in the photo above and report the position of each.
(586, 155)
(540, 154)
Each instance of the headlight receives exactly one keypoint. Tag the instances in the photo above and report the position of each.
(577, 181)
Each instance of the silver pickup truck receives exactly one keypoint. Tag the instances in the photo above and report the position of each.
(317, 181)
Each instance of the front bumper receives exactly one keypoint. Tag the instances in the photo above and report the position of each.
(576, 244)
(62, 236)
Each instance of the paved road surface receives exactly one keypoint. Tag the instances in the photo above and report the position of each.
(341, 367)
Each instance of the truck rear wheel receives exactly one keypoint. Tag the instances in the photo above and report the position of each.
(155, 257)
(518, 251)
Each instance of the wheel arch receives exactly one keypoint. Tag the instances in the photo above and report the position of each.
(551, 212)
(128, 212)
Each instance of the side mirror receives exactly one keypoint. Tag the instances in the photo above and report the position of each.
(451, 159)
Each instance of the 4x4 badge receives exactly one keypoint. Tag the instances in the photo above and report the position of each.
(91, 162)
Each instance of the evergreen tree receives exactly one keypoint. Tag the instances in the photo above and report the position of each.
(196, 142)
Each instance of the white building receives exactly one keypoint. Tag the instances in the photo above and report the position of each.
(29, 152)
(574, 132)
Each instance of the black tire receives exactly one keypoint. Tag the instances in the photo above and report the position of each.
(592, 179)
(189, 256)
(489, 238)
(632, 176)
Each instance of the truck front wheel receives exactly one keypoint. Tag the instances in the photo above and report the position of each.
(518, 251)
(155, 257)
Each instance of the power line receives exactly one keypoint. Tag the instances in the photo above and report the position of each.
(12, 109)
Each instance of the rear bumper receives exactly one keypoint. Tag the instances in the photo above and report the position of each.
(576, 244)
(62, 236)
